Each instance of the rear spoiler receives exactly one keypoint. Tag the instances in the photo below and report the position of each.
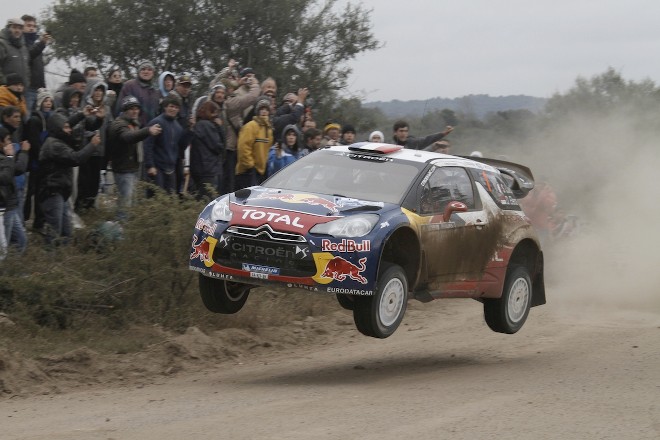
(519, 178)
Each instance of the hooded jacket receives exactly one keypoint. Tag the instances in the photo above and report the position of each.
(92, 85)
(254, 141)
(57, 159)
(161, 83)
(14, 57)
(281, 155)
(233, 110)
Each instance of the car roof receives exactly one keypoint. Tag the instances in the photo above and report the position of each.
(397, 152)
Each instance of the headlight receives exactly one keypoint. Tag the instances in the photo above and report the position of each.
(221, 210)
(351, 226)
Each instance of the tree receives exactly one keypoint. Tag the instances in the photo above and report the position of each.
(298, 42)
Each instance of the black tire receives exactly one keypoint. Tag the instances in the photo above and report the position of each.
(346, 301)
(508, 313)
(379, 315)
(220, 296)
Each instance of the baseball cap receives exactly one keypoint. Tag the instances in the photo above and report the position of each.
(184, 78)
(15, 21)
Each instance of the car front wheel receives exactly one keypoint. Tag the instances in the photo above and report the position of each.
(380, 315)
(508, 313)
(221, 296)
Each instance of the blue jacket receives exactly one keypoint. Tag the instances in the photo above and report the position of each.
(163, 151)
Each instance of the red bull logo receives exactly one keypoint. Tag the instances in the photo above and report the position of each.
(339, 268)
(307, 199)
(346, 245)
(203, 250)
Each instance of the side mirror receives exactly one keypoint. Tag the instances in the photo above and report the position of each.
(453, 207)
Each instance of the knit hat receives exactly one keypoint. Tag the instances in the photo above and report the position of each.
(146, 64)
(263, 102)
(130, 101)
(171, 99)
(14, 79)
(42, 94)
(76, 76)
(330, 126)
(348, 129)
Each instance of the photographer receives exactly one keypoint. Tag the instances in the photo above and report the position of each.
(56, 160)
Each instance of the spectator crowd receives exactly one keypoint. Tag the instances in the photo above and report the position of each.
(58, 144)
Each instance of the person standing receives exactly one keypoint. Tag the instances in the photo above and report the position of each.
(254, 142)
(162, 152)
(142, 88)
(36, 45)
(56, 160)
(13, 162)
(286, 151)
(401, 136)
(14, 54)
(36, 132)
(123, 138)
(235, 106)
(206, 149)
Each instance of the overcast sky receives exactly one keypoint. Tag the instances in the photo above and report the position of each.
(438, 48)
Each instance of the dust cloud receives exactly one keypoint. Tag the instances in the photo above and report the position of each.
(605, 171)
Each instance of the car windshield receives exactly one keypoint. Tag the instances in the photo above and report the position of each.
(348, 175)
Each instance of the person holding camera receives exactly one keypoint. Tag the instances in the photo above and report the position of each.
(235, 106)
(89, 173)
(56, 160)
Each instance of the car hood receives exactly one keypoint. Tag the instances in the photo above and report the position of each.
(311, 203)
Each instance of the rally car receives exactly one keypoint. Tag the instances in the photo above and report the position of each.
(377, 225)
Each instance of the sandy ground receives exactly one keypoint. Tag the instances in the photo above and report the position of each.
(575, 371)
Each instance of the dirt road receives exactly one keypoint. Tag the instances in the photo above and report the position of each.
(571, 373)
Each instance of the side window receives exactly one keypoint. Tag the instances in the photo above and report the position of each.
(445, 185)
(497, 188)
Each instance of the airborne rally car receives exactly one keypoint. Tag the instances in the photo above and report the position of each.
(377, 225)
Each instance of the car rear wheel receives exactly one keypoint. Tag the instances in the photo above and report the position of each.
(221, 296)
(508, 313)
(379, 315)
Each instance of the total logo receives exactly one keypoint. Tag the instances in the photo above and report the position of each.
(346, 245)
(274, 217)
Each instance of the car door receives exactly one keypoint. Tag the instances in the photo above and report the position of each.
(452, 239)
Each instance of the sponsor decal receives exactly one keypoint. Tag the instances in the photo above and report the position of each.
(384, 225)
(339, 268)
(346, 245)
(303, 252)
(370, 157)
(272, 217)
(427, 177)
(203, 250)
(210, 274)
(350, 291)
(248, 250)
(279, 219)
(497, 257)
(261, 269)
(259, 275)
(206, 226)
(307, 199)
(303, 286)
(223, 241)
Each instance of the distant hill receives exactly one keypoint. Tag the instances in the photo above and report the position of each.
(478, 105)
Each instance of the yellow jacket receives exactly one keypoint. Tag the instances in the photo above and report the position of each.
(8, 98)
(254, 141)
